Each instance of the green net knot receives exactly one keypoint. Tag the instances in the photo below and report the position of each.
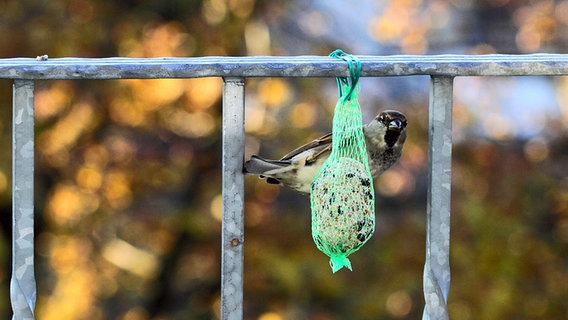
(354, 74)
(338, 261)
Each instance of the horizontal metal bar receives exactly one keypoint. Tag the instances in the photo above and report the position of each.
(283, 66)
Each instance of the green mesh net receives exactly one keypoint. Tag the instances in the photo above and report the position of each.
(342, 194)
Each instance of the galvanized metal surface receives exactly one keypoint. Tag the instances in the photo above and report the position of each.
(284, 66)
(437, 267)
(232, 234)
(443, 68)
(22, 283)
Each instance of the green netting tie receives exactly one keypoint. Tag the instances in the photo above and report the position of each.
(354, 71)
(342, 195)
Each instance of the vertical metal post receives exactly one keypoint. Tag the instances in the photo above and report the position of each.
(437, 266)
(232, 234)
(22, 284)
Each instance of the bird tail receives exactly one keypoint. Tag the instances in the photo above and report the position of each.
(258, 165)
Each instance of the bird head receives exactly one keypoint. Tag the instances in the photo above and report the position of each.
(388, 128)
(392, 120)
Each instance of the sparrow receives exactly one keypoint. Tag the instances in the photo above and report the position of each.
(384, 137)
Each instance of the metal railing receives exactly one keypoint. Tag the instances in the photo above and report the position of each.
(441, 68)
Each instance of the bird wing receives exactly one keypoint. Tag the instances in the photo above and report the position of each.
(258, 165)
(319, 146)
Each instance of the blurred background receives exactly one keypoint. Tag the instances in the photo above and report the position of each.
(128, 182)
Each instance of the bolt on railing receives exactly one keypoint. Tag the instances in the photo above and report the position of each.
(441, 68)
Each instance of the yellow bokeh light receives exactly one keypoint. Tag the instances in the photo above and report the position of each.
(414, 42)
(562, 97)
(66, 253)
(385, 29)
(257, 38)
(536, 25)
(256, 213)
(216, 207)
(122, 149)
(152, 94)
(116, 189)
(399, 304)
(68, 204)
(274, 92)
(528, 40)
(395, 22)
(413, 156)
(89, 178)
(164, 40)
(3, 182)
(96, 154)
(403, 22)
(189, 124)
(241, 8)
(303, 115)
(202, 93)
(127, 112)
(255, 116)
(52, 101)
(76, 284)
(135, 260)
(136, 313)
(536, 149)
(72, 298)
(498, 126)
(67, 130)
(146, 98)
(214, 11)
(395, 181)
(270, 316)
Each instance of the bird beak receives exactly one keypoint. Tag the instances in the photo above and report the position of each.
(395, 124)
